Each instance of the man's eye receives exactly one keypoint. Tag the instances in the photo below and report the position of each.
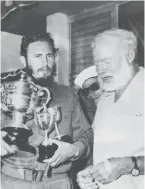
(50, 55)
(38, 55)
(97, 65)
(107, 62)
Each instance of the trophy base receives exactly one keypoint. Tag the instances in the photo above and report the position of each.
(19, 137)
(25, 154)
(46, 152)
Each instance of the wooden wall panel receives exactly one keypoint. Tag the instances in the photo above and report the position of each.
(84, 28)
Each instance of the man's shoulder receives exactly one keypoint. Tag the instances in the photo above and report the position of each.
(62, 88)
(139, 78)
(63, 92)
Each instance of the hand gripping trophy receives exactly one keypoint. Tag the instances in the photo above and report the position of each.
(47, 120)
(20, 99)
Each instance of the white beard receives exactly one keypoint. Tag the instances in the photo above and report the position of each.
(118, 81)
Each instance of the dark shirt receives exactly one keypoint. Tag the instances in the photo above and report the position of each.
(73, 123)
(87, 105)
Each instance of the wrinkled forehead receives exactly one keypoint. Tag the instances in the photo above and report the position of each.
(107, 46)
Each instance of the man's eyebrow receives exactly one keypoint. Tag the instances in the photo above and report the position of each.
(104, 59)
(107, 58)
(50, 53)
(38, 52)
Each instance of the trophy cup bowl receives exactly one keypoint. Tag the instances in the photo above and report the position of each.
(20, 100)
(47, 121)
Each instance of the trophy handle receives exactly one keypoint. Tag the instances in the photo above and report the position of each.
(9, 76)
(58, 114)
(41, 92)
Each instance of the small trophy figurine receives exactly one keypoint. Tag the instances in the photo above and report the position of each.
(48, 120)
(45, 121)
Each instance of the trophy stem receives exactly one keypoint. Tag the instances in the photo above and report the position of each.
(45, 139)
(18, 119)
(57, 131)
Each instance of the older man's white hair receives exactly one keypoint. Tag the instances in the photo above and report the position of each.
(127, 37)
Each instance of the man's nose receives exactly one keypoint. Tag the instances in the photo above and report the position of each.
(45, 61)
(102, 68)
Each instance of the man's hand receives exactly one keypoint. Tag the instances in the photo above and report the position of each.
(5, 148)
(85, 179)
(65, 151)
(116, 168)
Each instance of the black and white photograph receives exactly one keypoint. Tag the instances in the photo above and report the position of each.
(72, 94)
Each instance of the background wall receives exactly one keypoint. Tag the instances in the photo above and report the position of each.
(84, 27)
(10, 48)
(131, 17)
(41, 17)
(57, 25)
(73, 32)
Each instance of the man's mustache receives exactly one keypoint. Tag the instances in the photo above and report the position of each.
(45, 68)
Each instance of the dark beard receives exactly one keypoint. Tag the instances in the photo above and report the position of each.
(44, 82)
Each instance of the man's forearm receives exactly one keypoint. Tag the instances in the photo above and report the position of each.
(85, 143)
(126, 165)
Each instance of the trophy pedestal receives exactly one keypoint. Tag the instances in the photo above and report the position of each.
(25, 154)
(19, 137)
(46, 152)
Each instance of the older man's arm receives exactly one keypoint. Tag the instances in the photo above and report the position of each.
(112, 169)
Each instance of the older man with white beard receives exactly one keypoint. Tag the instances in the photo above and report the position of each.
(119, 121)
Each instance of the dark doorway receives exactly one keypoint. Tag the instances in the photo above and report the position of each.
(131, 17)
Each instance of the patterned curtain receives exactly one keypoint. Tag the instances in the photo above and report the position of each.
(138, 29)
(8, 6)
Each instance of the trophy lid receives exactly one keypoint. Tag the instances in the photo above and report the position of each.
(12, 75)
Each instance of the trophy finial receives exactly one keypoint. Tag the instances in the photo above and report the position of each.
(23, 76)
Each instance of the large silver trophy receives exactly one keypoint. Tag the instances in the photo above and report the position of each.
(20, 99)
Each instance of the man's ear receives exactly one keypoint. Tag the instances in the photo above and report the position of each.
(56, 52)
(23, 60)
(131, 55)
